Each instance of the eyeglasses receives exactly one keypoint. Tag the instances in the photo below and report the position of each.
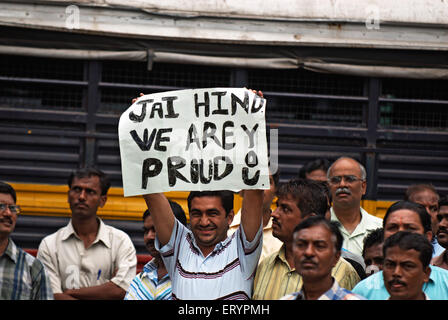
(13, 208)
(347, 179)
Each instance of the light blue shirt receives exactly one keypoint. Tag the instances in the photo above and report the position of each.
(437, 249)
(226, 273)
(147, 286)
(373, 287)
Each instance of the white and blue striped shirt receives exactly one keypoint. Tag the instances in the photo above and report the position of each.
(146, 286)
(226, 273)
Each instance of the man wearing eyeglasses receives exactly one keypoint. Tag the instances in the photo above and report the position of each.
(22, 277)
(347, 180)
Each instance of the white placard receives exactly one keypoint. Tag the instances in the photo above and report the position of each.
(195, 139)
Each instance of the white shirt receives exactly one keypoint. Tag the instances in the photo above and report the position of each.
(354, 242)
(226, 273)
(111, 257)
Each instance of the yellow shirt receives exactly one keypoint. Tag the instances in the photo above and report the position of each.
(270, 243)
(275, 279)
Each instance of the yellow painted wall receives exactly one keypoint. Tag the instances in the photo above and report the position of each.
(51, 200)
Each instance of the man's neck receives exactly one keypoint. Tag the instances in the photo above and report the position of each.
(86, 229)
(289, 256)
(314, 289)
(349, 217)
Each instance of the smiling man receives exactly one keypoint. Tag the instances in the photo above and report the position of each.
(22, 277)
(204, 263)
(347, 180)
(88, 259)
(406, 265)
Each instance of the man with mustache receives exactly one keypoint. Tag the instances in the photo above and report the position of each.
(442, 233)
(298, 199)
(22, 277)
(412, 217)
(347, 180)
(88, 259)
(317, 248)
(427, 196)
(153, 283)
(204, 263)
(406, 265)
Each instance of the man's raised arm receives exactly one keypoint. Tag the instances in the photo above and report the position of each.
(252, 212)
(162, 215)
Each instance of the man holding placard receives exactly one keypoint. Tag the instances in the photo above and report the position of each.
(204, 141)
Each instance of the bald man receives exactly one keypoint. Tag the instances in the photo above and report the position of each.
(347, 181)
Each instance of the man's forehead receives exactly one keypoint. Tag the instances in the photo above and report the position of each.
(207, 202)
(404, 216)
(347, 165)
(424, 196)
(407, 254)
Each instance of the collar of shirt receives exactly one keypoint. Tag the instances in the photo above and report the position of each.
(150, 271)
(333, 292)
(102, 235)
(281, 256)
(218, 247)
(11, 250)
(361, 228)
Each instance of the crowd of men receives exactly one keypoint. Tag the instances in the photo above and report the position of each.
(317, 243)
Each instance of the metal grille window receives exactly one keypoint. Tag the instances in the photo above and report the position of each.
(300, 95)
(121, 81)
(414, 104)
(41, 96)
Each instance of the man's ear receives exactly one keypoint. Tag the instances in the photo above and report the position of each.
(428, 235)
(230, 216)
(103, 200)
(364, 187)
(336, 257)
(427, 272)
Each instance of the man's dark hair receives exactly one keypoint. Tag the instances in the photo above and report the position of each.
(425, 218)
(406, 240)
(333, 226)
(87, 173)
(225, 196)
(179, 213)
(373, 238)
(8, 189)
(443, 201)
(318, 164)
(416, 188)
(308, 194)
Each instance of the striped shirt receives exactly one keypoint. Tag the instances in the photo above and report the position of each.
(334, 293)
(226, 273)
(22, 277)
(146, 285)
(275, 278)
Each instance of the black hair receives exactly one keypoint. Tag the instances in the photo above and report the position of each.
(318, 164)
(87, 172)
(179, 213)
(309, 195)
(425, 218)
(225, 196)
(443, 201)
(374, 237)
(333, 226)
(8, 189)
(406, 240)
